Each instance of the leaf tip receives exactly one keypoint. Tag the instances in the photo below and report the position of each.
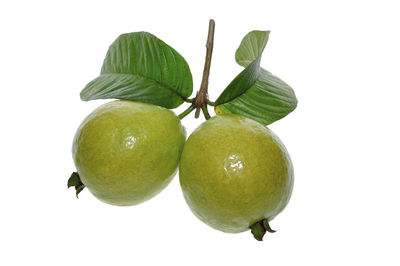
(85, 95)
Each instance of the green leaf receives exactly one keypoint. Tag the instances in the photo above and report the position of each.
(249, 55)
(267, 101)
(140, 67)
(241, 83)
(255, 92)
(251, 47)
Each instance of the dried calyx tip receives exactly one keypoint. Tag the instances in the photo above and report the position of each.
(75, 181)
(259, 229)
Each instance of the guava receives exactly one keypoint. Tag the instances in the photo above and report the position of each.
(127, 152)
(235, 174)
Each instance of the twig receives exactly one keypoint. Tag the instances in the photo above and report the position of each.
(201, 99)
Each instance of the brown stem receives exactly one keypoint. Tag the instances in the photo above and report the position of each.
(200, 102)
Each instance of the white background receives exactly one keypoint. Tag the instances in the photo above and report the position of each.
(342, 59)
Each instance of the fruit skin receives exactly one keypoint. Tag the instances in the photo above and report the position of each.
(235, 172)
(127, 152)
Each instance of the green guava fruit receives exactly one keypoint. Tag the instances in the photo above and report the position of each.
(127, 152)
(235, 173)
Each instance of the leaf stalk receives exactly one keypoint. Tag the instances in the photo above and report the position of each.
(186, 112)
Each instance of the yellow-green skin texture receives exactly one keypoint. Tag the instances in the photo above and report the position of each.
(235, 172)
(127, 152)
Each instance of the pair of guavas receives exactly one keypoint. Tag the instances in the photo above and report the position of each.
(233, 171)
